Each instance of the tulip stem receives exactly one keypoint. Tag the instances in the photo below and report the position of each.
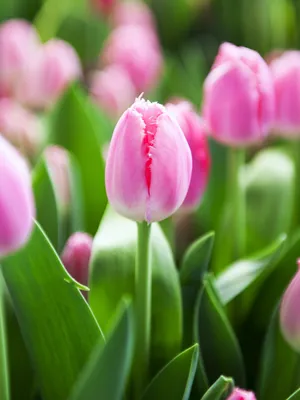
(4, 383)
(236, 198)
(143, 281)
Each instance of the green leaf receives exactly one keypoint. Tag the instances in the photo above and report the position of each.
(273, 287)
(243, 273)
(194, 266)
(57, 324)
(270, 183)
(175, 380)
(73, 128)
(106, 373)
(4, 371)
(280, 365)
(220, 390)
(295, 395)
(45, 202)
(112, 277)
(219, 348)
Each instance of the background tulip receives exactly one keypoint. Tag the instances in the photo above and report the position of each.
(16, 199)
(21, 127)
(239, 394)
(149, 164)
(286, 74)
(47, 75)
(289, 312)
(137, 51)
(112, 90)
(18, 43)
(133, 13)
(76, 256)
(194, 130)
(238, 97)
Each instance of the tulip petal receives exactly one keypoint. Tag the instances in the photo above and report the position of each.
(171, 170)
(125, 169)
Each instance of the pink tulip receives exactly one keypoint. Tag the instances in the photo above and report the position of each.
(239, 394)
(289, 312)
(194, 130)
(76, 256)
(239, 97)
(286, 74)
(22, 128)
(58, 164)
(16, 200)
(18, 44)
(149, 164)
(112, 90)
(133, 13)
(48, 74)
(137, 51)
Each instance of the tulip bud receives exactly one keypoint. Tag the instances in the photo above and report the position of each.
(112, 90)
(18, 43)
(137, 51)
(16, 199)
(20, 127)
(133, 13)
(289, 312)
(239, 394)
(58, 164)
(76, 256)
(286, 74)
(193, 128)
(238, 97)
(48, 74)
(149, 163)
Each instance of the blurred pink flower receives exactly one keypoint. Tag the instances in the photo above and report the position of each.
(18, 43)
(137, 51)
(133, 13)
(112, 90)
(238, 97)
(286, 75)
(16, 199)
(194, 130)
(240, 394)
(57, 159)
(76, 256)
(21, 127)
(149, 164)
(48, 74)
(289, 312)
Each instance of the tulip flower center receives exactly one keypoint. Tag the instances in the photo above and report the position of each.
(149, 113)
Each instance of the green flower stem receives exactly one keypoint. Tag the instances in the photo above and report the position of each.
(142, 307)
(236, 200)
(4, 382)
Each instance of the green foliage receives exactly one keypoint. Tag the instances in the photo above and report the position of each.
(72, 127)
(176, 378)
(57, 325)
(220, 390)
(107, 371)
(112, 277)
(279, 375)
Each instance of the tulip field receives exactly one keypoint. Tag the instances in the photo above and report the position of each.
(149, 200)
